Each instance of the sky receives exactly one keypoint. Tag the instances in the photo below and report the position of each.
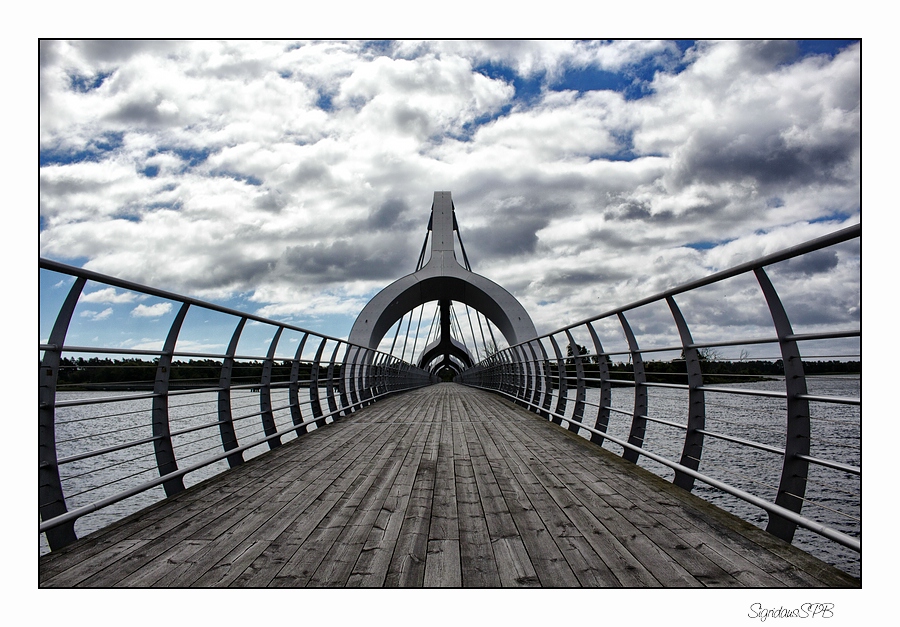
(294, 179)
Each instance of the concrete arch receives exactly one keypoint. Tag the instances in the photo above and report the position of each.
(442, 278)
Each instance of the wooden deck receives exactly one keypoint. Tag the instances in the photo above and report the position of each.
(445, 486)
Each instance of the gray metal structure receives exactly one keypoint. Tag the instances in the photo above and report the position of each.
(442, 279)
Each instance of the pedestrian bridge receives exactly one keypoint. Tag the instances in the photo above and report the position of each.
(573, 458)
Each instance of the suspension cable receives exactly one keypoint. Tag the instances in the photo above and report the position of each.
(431, 328)
(396, 333)
(418, 327)
(472, 329)
(481, 328)
(406, 337)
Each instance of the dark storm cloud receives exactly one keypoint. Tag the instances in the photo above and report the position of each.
(638, 211)
(387, 214)
(509, 235)
(114, 50)
(273, 201)
(813, 263)
(712, 157)
(225, 271)
(581, 278)
(347, 260)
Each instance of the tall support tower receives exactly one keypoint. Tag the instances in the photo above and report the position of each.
(443, 279)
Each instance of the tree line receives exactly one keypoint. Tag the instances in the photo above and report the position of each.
(715, 370)
(131, 373)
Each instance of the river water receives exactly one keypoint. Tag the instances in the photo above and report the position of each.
(833, 497)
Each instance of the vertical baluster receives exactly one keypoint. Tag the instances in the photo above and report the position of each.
(693, 439)
(561, 382)
(162, 442)
(265, 393)
(638, 420)
(548, 381)
(349, 374)
(314, 402)
(537, 367)
(294, 388)
(794, 472)
(51, 499)
(226, 420)
(578, 410)
(329, 389)
(602, 421)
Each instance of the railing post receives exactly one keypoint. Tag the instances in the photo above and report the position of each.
(638, 420)
(548, 381)
(162, 443)
(367, 377)
(314, 402)
(51, 499)
(537, 378)
(294, 388)
(693, 438)
(525, 391)
(226, 420)
(329, 390)
(602, 421)
(561, 381)
(346, 368)
(794, 472)
(578, 410)
(265, 393)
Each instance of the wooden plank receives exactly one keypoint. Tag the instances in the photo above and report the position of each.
(443, 568)
(670, 514)
(375, 558)
(478, 566)
(549, 563)
(361, 516)
(407, 568)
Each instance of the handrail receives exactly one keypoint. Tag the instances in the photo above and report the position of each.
(369, 377)
(528, 374)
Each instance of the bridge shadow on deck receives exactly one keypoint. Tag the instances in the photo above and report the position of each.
(443, 486)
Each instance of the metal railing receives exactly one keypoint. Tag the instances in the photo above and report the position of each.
(138, 426)
(687, 419)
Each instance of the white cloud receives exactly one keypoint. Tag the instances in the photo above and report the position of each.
(108, 295)
(97, 316)
(301, 176)
(151, 311)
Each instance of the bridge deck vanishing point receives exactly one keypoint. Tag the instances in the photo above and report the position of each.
(443, 486)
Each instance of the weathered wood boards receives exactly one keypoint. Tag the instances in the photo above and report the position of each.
(441, 487)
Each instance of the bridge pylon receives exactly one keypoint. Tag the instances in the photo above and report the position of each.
(442, 278)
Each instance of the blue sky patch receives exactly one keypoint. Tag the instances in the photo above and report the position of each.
(84, 84)
(324, 101)
(527, 89)
(95, 151)
(830, 47)
(707, 245)
(838, 216)
(193, 156)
